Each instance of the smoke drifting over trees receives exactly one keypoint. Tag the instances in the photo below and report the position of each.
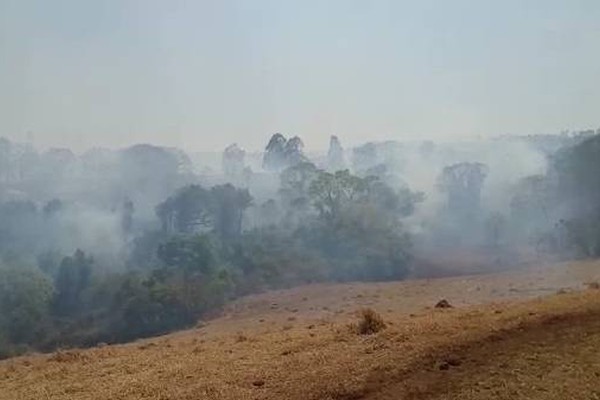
(107, 246)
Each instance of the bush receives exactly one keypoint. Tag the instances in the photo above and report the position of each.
(25, 295)
(370, 322)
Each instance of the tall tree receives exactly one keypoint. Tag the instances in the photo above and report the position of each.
(233, 160)
(73, 277)
(5, 159)
(25, 295)
(335, 156)
(463, 183)
(274, 157)
(188, 211)
(127, 213)
(194, 209)
(294, 190)
(359, 227)
(229, 204)
(294, 152)
(281, 153)
(330, 192)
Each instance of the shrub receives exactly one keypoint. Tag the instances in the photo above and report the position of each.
(593, 285)
(370, 322)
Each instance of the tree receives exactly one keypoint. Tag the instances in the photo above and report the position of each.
(462, 183)
(57, 162)
(495, 230)
(193, 254)
(583, 235)
(294, 190)
(335, 156)
(295, 181)
(127, 211)
(281, 153)
(362, 243)
(73, 277)
(364, 157)
(19, 228)
(268, 213)
(26, 161)
(188, 211)
(274, 157)
(148, 173)
(577, 171)
(143, 307)
(233, 160)
(398, 203)
(49, 262)
(143, 255)
(192, 277)
(194, 209)
(533, 206)
(294, 151)
(52, 208)
(330, 192)
(228, 207)
(5, 160)
(25, 295)
(271, 257)
(359, 230)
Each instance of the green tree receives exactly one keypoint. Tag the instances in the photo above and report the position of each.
(463, 183)
(188, 211)
(577, 171)
(359, 230)
(194, 209)
(25, 295)
(127, 213)
(144, 307)
(495, 230)
(73, 277)
(294, 191)
(331, 192)
(192, 254)
(335, 155)
(228, 207)
(281, 153)
(190, 283)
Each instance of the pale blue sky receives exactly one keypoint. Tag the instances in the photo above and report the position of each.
(203, 74)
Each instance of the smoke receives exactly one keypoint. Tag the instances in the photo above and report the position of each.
(83, 227)
(93, 188)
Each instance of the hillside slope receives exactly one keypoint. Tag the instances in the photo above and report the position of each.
(501, 340)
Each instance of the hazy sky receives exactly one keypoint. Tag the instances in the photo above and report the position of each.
(203, 74)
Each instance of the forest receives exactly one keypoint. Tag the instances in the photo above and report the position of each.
(113, 245)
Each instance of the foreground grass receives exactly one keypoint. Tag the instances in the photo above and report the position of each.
(538, 348)
(541, 350)
(501, 340)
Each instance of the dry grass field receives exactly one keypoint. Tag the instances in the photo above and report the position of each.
(531, 334)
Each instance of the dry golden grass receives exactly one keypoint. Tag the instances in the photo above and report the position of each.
(510, 348)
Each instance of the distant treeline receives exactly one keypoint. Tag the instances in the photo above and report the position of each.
(135, 243)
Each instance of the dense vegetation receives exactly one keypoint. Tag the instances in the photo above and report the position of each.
(337, 226)
(112, 246)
